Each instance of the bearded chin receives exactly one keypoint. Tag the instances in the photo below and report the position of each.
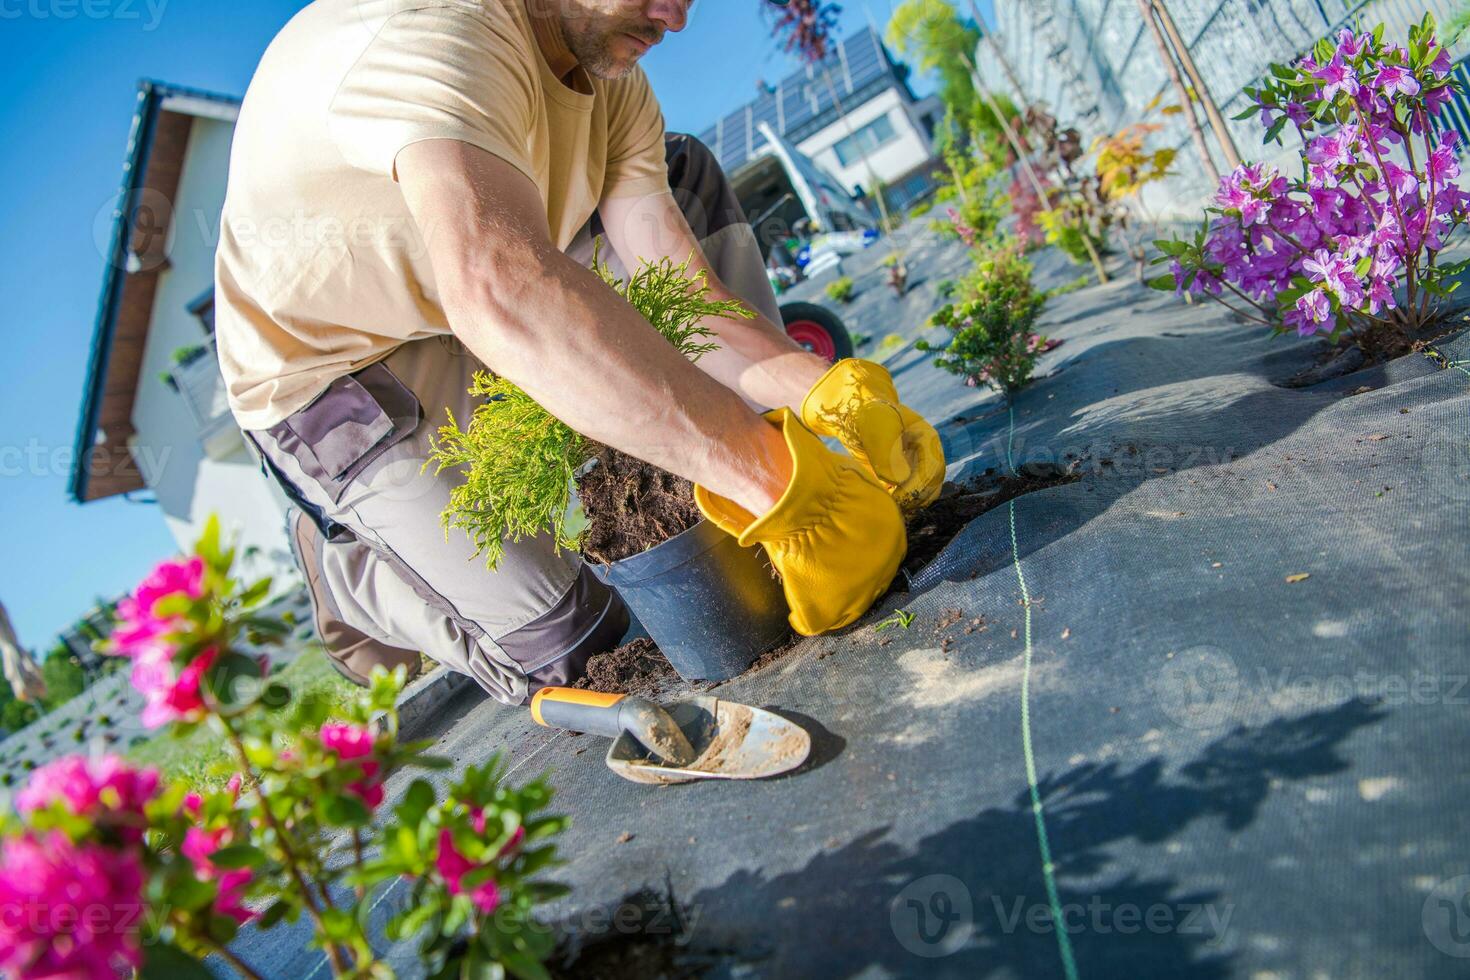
(594, 54)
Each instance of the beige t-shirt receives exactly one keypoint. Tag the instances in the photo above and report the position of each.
(320, 269)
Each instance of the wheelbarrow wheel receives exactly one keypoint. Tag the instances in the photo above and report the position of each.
(817, 329)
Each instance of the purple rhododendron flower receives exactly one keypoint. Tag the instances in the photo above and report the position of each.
(1396, 78)
(1337, 76)
(1380, 294)
(1350, 45)
(1443, 165)
(1400, 180)
(1441, 64)
(1316, 309)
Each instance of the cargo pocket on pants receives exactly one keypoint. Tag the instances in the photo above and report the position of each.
(354, 421)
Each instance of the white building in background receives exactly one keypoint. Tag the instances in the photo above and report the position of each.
(875, 129)
(154, 422)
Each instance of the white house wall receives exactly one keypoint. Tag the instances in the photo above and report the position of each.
(188, 485)
(891, 162)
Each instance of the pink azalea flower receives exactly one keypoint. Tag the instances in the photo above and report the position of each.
(453, 866)
(229, 900)
(105, 790)
(54, 889)
(140, 627)
(171, 697)
(1396, 78)
(351, 742)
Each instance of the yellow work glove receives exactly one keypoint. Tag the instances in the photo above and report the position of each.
(856, 402)
(835, 537)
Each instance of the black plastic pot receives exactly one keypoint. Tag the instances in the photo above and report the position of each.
(710, 605)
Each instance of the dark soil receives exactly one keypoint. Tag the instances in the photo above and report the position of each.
(636, 668)
(632, 506)
(959, 504)
(632, 958)
(644, 943)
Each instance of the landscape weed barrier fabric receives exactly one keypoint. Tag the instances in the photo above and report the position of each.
(1200, 713)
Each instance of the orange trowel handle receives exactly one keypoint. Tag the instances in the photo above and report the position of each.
(579, 711)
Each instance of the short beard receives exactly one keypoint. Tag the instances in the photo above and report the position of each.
(594, 54)
(593, 49)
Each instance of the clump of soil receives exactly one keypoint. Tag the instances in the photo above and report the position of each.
(936, 525)
(632, 506)
(636, 667)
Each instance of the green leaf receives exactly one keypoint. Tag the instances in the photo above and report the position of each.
(258, 591)
(408, 923)
(345, 811)
(238, 856)
(191, 894)
(337, 924)
(273, 914)
(165, 961)
(222, 929)
(1275, 129)
(1164, 283)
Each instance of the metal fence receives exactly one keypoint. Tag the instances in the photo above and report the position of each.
(1095, 63)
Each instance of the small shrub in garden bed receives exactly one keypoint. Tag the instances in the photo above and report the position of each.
(840, 290)
(1330, 251)
(520, 462)
(176, 871)
(992, 341)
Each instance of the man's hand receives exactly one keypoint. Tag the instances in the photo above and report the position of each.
(835, 537)
(857, 403)
(538, 318)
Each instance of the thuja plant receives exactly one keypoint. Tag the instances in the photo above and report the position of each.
(993, 341)
(110, 869)
(520, 462)
(1349, 247)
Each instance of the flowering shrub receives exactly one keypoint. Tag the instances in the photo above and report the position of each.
(1350, 246)
(993, 342)
(973, 209)
(114, 870)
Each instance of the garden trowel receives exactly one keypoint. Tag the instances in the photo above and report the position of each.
(699, 738)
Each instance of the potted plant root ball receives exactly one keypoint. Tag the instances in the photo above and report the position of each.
(710, 605)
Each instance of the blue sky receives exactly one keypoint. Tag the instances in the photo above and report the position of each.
(69, 69)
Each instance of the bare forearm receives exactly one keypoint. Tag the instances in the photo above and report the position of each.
(757, 359)
(592, 361)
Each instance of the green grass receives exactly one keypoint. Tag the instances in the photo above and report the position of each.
(203, 761)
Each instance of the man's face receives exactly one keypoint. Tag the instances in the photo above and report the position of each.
(609, 36)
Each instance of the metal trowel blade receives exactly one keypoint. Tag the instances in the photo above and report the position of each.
(730, 740)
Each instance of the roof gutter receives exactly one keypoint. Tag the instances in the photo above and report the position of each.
(140, 144)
